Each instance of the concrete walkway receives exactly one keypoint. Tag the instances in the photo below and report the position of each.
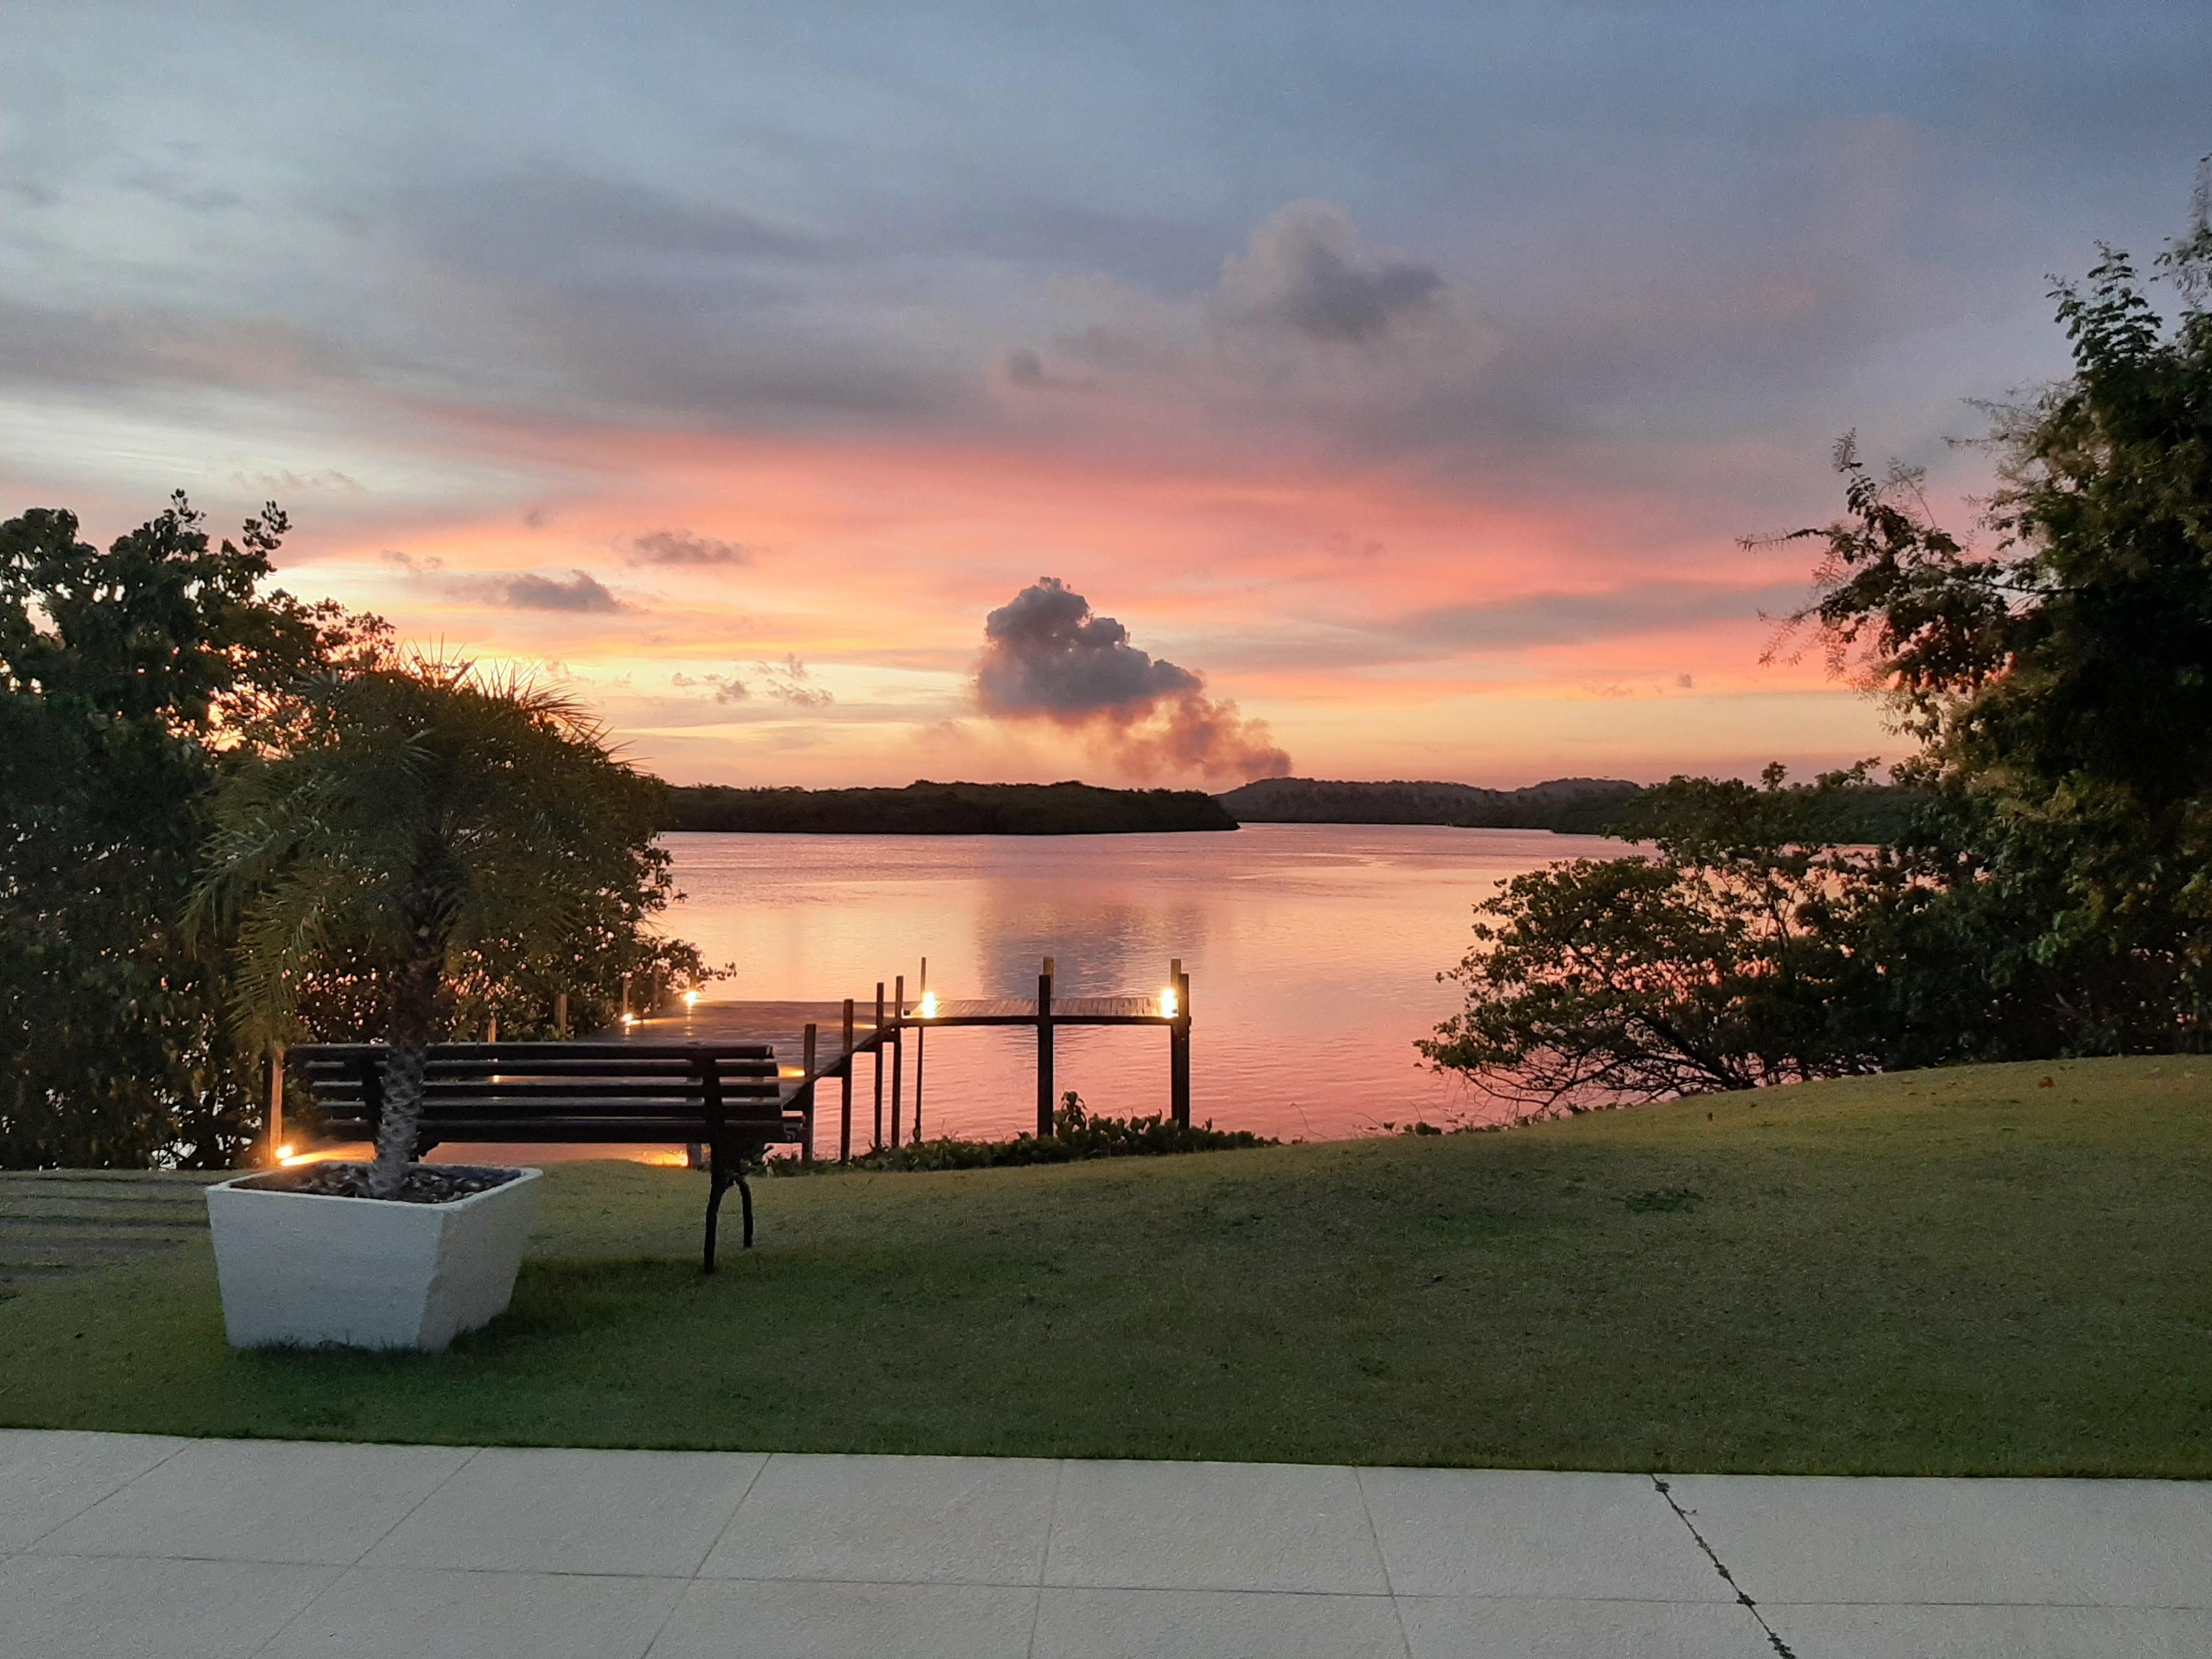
(120, 1544)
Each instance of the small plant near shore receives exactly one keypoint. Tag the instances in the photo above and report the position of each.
(1077, 1135)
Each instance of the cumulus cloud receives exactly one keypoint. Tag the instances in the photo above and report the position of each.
(789, 683)
(1048, 656)
(684, 547)
(1308, 271)
(581, 592)
(726, 688)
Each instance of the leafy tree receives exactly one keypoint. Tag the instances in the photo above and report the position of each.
(2061, 680)
(2052, 890)
(126, 676)
(427, 828)
(1728, 959)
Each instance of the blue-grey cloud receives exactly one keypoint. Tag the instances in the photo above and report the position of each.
(685, 547)
(1047, 655)
(1307, 270)
(581, 592)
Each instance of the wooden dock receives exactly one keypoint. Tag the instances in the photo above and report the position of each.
(819, 1042)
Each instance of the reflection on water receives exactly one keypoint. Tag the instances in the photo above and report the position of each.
(1313, 951)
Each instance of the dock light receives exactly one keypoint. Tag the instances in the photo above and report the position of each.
(928, 1008)
(691, 999)
(1167, 1002)
(629, 1020)
(283, 1154)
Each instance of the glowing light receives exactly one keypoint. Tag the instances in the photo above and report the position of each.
(691, 999)
(928, 1008)
(1167, 1002)
(283, 1154)
(629, 1020)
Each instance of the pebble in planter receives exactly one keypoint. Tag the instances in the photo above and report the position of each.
(304, 1262)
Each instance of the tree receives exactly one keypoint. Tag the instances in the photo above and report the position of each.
(125, 679)
(424, 824)
(1728, 959)
(2061, 682)
(2051, 891)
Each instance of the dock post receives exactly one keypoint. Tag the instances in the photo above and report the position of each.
(561, 1013)
(806, 1090)
(898, 1049)
(845, 1090)
(878, 1139)
(1044, 1051)
(920, 1032)
(276, 1102)
(1179, 1047)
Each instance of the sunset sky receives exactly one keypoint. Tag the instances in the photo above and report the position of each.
(1402, 376)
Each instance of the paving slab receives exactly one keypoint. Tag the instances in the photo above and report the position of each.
(742, 1618)
(2109, 1543)
(261, 1500)
(1528, 1533)
(1213, 1526)
(1523, 1627)
(48, 1476)
(653, 1514)
(892, 1520)
(89, 1606)
(1992, 1632)
(1142, 1624)
(384, 1612)
(126, 1545)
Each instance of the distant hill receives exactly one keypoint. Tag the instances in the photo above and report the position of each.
(945, 809)
(1570, 806)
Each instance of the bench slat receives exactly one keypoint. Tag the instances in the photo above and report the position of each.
(316, 1053)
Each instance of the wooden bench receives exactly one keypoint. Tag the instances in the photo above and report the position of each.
(722, 1096)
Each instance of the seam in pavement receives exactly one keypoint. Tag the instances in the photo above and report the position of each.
(340, 1570)
(1044, 1556)
(676, 1603)
(1743, 1597)
(182, 1443)
(1389, 1584)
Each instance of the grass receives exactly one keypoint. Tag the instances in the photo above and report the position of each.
(1957, 1272)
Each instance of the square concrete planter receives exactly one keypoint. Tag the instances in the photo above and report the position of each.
(300, 1269)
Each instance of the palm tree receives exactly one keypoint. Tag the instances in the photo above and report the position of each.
(421, 812)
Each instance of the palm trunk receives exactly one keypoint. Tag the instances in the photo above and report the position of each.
(414, 1013)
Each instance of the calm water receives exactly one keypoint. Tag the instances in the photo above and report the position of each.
(1313, 951)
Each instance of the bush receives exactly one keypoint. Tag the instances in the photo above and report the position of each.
(1075, 1136)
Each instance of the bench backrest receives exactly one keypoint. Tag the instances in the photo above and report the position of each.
(557, 1091)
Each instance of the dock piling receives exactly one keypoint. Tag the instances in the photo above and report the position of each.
(807, 1047)
(845, 1090)
(1044, 1051)
(920, 1032)
(898, 1049)
(1179, 1047)
(877, 1033)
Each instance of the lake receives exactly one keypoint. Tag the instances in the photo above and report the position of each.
(1313, 951)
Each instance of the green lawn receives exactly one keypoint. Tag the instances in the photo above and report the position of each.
(1944, 1272)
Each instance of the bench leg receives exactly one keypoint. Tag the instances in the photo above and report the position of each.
(722, 1182)
(719, 1184)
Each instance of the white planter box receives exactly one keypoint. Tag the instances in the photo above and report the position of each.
(300, 1269)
